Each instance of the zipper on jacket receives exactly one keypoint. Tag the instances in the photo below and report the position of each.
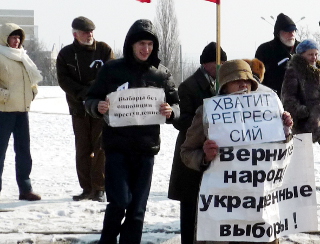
(76, 58)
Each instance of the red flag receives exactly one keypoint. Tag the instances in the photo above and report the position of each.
(214, 1)
(144, 1)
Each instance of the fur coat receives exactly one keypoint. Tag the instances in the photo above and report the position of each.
(301, 96)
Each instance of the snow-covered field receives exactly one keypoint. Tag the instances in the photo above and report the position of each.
(56, 218)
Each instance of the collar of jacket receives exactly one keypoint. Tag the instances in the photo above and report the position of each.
(79, 47)
(211, 81)
(289, 50)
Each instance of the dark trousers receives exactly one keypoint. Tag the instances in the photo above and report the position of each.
(89, 154)
(16, 123)
(188, 213)
(128, 182)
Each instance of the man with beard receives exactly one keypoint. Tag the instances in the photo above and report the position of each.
(276, 53)
(77, 67)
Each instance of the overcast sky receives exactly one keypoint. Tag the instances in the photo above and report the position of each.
(242, 29)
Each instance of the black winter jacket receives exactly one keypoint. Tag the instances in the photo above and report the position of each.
(184, 182)
(271, 53)
(133, 139)
(74, 73)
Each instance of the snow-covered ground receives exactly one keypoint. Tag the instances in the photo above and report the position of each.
(56, 218)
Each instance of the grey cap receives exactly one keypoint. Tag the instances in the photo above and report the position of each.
(83, 24)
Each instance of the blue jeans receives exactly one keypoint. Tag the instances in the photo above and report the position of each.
(16, 123)
(128, 181)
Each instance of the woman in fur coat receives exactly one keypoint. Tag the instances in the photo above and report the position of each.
(301, 89)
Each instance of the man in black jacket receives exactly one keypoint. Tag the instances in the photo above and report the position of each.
(276, 53)
(185, 182)
(77, 67)
(130, 150)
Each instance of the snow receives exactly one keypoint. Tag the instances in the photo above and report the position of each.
(58, 219)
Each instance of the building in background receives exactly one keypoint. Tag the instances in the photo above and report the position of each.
(45, 60)
(23, 18)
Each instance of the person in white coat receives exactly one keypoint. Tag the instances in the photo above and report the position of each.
(18, 87)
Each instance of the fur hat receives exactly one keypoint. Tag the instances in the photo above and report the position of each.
(83, 24)
(236, 70)
(257, 67)
(283, 23)
(209, 54)
(305, 45)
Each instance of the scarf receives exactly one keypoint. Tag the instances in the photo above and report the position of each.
(212, 82)
(21, 55)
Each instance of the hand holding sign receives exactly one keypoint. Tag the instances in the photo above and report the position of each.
(165, 110)
(210, 149)
(287, 120)
(103, 106)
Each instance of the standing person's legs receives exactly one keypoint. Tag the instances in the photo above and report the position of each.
(98, 160)
(81, 129)
(140, 183)
(21, 137)
(188, 211)
(118, 195)
(7, 121)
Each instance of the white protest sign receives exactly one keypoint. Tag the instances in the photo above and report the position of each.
(259, 192)
(244, 119)
(136, 106)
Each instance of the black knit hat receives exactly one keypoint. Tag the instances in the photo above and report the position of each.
(283, 23)
(209, 54)
(83, 24)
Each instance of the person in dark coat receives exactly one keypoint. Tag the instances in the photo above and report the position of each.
(77, 67)
(130, 150)
(301, 89)
(276, 53)
(184, 182)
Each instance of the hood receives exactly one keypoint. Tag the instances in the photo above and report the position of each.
(142, 29)
(283, 22)
(6, 30)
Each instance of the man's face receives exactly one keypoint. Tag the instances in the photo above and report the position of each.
(84, 37)
(14, 41)
(142, 49)
(237, 86)
(287, 38)
(211, 68)
(311, 56)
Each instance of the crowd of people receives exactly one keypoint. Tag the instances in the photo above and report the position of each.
(115, 164)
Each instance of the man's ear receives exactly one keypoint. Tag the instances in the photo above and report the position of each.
(75, 34)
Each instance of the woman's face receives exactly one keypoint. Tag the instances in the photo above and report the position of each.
(311, 56)
(238, 86)
(14, 41)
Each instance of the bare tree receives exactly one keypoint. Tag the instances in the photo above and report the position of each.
(189, 67)
(166, 24)
(118, 53)
(44, 62)
(316, 37)
(303, 33)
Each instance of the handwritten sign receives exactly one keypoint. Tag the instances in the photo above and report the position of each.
(255, 192)
(136, 106)
(244, 119)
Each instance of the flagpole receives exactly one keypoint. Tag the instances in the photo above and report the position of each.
(218, 53)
